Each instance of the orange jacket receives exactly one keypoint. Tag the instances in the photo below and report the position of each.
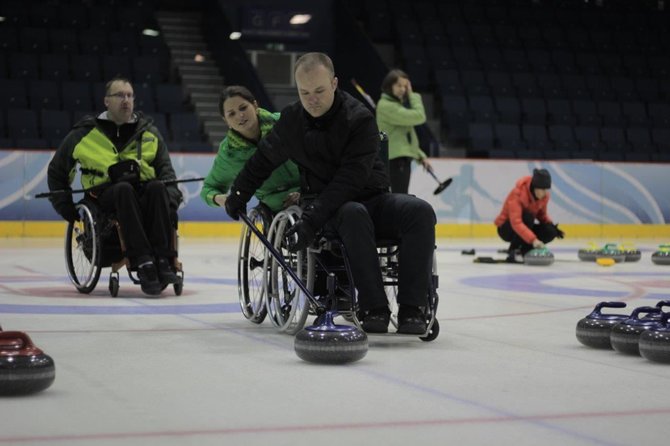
(521, 199)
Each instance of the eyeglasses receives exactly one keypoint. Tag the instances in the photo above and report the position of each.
(129, 96)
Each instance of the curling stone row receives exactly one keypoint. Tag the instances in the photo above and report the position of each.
(662, 256)
(632, 334)
(24, 368)
(620, 253)
(538, 257)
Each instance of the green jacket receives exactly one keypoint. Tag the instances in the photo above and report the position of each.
(234, 151)
(398, 123)
(88, 147)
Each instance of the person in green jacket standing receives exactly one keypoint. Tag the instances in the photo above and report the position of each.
(248, 124)
(400, 109)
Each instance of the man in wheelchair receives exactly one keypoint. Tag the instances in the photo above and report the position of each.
(334, 140)
(124, 163)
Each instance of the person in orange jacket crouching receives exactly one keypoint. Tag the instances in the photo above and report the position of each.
(523, 220)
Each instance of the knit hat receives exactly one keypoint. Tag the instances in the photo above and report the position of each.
(541, 179)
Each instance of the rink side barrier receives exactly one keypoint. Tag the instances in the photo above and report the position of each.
(588, 199)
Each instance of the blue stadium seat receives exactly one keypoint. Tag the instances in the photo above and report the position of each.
(123, 42)
(635, 114)
(148, 69)
(73, 16)
(536, 137)
(55, 67)
(560, 112)
(13, 93)
(509, 109)
(93, 41)
(116, 65)
(185, 126)
(22, 124)
(534, 110)
(640, 139)
(44, 95)
(563, 138)
(144, 97)
(589, 138)
(481, 136)
(169, 98)
(482, 109)
(63, 40)
(76, 96)
(24, 66)
(500, 83)
(615, 139)
(611, 113)
(86, 67)
(55, 125)
(160, 121)
(508, 137)
(34, 40)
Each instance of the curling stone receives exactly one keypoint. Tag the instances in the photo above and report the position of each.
(655, 343)
(538, 257)
(589, 253)
(625, 336)
(594, 329)
(662, 256)
(611, 251)
(24, 368)
(631, 253)
(328, 343)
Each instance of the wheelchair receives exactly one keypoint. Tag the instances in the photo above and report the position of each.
(265, 288)
(95, 242)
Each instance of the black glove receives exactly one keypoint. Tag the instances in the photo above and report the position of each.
(235, 205)
(300, 235)
(69, 212)
(560, 234)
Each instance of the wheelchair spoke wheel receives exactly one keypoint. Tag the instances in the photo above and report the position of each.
(251, 270)
(82, 251)
(287, 305)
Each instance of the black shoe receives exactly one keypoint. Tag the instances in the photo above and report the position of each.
(149, 279)
(165, 273)
(411, 320)
(376, 320)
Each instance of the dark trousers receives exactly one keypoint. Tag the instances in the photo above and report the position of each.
(144, 217)
(405, 218)
(400, 170)
(543, 231)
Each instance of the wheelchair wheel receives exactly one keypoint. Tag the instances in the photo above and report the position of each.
(433, 332)
(433, 300)
(251, 271)
(82, 251)
(287, 305)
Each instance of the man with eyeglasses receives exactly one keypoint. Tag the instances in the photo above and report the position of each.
(124, 162)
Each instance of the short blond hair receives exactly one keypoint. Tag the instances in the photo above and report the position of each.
(309, 61)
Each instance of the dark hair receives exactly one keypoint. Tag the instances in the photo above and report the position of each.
(231, 92)
(391, 78)
(117, 78)
(312, 60)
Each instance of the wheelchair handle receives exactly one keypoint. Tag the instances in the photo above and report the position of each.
(280, 258)
(94, 188)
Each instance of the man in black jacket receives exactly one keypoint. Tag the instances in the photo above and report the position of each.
(334, 140)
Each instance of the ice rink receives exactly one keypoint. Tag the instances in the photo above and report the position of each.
(505, 369)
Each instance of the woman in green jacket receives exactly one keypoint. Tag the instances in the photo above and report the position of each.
(248, 124)
(399, 109)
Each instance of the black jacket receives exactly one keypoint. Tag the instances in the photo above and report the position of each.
(337, 154)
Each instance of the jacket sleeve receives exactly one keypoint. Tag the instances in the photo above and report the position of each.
(61, 172)
(269, 155)
(165, 172)
(217, 181)
(394, 113)
(515, 208)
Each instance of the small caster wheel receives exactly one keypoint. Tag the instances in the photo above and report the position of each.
(433, 333)
(178, 287)
(114, 286)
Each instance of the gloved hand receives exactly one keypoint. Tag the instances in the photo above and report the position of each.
(300, 235)
(69, 212)
(235, 205)
(560, 234)
(538, 244)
